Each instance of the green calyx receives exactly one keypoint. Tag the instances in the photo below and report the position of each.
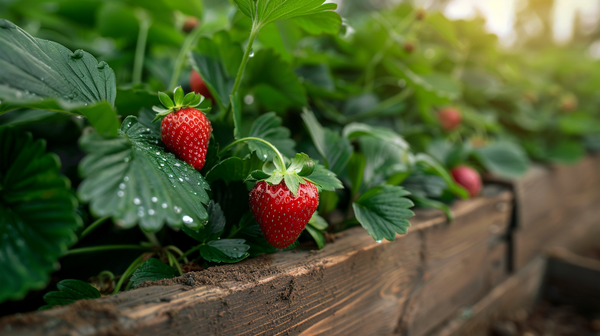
(180, 101)
(294, 174)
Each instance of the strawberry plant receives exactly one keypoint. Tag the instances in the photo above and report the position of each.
(190, 134)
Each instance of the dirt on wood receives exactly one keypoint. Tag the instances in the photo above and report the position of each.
(548, 320)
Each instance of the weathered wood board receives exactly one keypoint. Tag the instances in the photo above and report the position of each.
(353, 286)
(557, 206)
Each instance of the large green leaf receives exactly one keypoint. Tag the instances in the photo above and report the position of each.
(263, 12)
(151, 270)
(334, 149)
(234, 169)
(37, 214)
(214, 228)
(69, 291)
(326, 179)
(133, 179)
(225, 250)
(268, 127)
(503, 159)
(42, 74)
(384, 211)
(355, 130)
(274, 81)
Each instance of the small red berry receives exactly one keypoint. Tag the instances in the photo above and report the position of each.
(450, 118)
(190, 24)
(198, 85)
(468, 178)
(409, 47)
(186, 133)
(281, 215)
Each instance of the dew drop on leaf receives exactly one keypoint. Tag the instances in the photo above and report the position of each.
(137, 201)
(187, 219)
(164, 205)
(251, 52)
(120, 193)
(378, 241)
(154, 199)
(177, 209)
(151, 212)
(122, 186)
(248, 99)
(126, 178)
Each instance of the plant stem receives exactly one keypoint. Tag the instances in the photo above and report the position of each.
(151, 238)
(185, 48)
(140, 49)
(178, 251)
(190, 251)
(134, 265)
(279, 156)
(93, 226)
(105, 248)
(238, 79)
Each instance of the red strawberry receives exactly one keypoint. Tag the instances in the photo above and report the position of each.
(409, 47)
(186, 133)
(198, 85)
(185, 130)
(450, 118)
(468, 178)
(281, 215)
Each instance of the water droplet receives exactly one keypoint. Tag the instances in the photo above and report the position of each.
(6, 24)
(126, 178)
(170, 175)
(187, 219)
(121, 193)
(164, 205)
(265, 156)
(180, 179)
(177, 165)
(122, 186)
(157, 153)
(162, 164)
(248, 99)
(77, 54)
(140, 214)
(154, 199)
(177, 209)
(151, 212)
(137, 201)
(402, 83)
(101, 65)
(251, 52)
(378, 241)
(126, 159)
(18, 94)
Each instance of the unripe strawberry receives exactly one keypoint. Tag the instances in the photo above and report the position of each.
(468, 178)
(190, 24)
(198, 85)
(184, 129)
(450, 118)
(281, 215)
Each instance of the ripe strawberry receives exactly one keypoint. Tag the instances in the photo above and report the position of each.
(281, 215)
(198, 85)
(184, 129)
(468, 178)
(450, 118)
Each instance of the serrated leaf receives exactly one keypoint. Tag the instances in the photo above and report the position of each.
(293, 181)
(234, 169)
(424, 185)
(133, 179)
(37, 214)
(225, 250)
(151, 270)
(317, 236)
(302, 165)
(503, 159)
(326, 179)
(327, 22)
(264, 12)
(268, 127)
(384, 211)
(335, 150)
(383, 159)
(43, 74)
(69, 291)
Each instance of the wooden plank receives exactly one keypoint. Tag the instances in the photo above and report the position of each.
(520, 291)
(354, 286)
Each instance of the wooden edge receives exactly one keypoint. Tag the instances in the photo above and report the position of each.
(521, 290)
(154, 305)
(565, 255)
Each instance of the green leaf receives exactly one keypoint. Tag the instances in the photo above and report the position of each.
(424, 185)
(429, 203)
(37, 214)
(326, 22)
(293, 181)
(383, 159)
(268, 127)
(317, 236)
(356, 171)
(264, 12)
(277, 86)
(234, 169)
(566, 152)
(151, 270)
(383, 211)
(318, 222)
(133, 179)
(503, 159)
(225, 250)
(355, 130)
(302, 165)
(335, 150)
(130, 100)
(45, 75)
(69, 291)
(326, 179)
(214, 228)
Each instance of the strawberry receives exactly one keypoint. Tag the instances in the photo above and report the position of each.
(184, 129)
(190, 24)
(198, 85)
(450, 118)
(468, 178)
(282, 216)
(409, 47)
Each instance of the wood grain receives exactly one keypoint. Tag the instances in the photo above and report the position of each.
(353, 286)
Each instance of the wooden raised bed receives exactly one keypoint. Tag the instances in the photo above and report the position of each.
(352, 286)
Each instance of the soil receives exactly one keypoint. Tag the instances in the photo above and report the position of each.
(249, 271)
(548, 320)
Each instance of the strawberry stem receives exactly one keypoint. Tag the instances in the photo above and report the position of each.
(183, 52)
(242, 68)
(279, 156)
(140, 49)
